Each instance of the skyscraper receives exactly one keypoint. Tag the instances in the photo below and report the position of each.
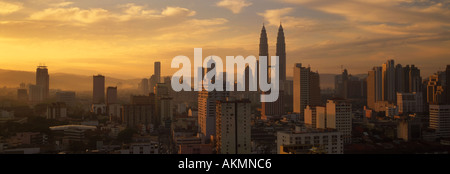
(306, 89)
(281, 53)
(275, 108)
(42, 80)
(98, 94)
(233, 130)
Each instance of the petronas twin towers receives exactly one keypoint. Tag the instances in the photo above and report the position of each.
(281, 49)
(274, 108)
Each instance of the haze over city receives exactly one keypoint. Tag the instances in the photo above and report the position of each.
(122, 38)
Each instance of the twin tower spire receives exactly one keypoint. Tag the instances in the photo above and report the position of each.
(280, 52)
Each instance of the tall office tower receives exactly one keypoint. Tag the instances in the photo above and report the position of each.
(315, 116)
(42, 79)
(306, 90)
(435, 90)
(374, 86)
(98, 94)
(233, 130)
(36, 94)
(144, 86)
(341, 85)
(111, 95)
(440, 120)
(388, 88)
(415, 80)
(339, 116)
(447, 81)
(281, 53)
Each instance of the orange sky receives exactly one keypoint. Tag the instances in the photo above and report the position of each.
(123, 38)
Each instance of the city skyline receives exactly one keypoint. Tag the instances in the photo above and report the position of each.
(345, 77)
(117, 38)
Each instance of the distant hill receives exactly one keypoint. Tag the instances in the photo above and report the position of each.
(73, 82)
(12, 78)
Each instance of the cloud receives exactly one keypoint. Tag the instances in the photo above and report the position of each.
(62, 4)
(73, 14)
(60, 12)
(177, 12)
(275, 16)
(235, 6)
(8, 8)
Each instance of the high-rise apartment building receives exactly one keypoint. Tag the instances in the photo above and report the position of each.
(339, 117)
(233, 127)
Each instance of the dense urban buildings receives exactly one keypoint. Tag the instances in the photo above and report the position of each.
(389, 109)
